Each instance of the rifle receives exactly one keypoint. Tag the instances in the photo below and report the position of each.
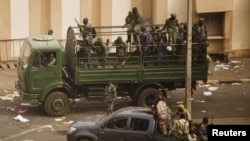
(212, 122)
(77, 22)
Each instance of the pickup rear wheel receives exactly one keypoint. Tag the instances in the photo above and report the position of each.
(148, 97)
(57, 104)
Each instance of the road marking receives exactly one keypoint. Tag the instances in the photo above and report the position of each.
(26, 132)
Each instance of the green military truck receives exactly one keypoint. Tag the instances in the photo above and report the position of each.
(55, 86)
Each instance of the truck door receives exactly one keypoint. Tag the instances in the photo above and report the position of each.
(44, 71)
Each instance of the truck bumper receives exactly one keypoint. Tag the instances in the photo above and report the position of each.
(23, 95)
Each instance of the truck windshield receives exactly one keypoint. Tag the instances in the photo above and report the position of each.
(25, 54)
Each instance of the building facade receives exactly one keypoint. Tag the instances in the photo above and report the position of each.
(227, 20)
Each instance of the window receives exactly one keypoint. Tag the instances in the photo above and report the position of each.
(139, 124)
(117, 123)
(51, 58)
(214, 23)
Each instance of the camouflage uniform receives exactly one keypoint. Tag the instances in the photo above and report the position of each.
(87, 31)
(162, 115)
(180, 129)
(110, 96)
(169, 119)
(203, 129)
(172, 26)
(101, 51)
(199, 38)
(137, 22)
(121, 50)
(128, 21)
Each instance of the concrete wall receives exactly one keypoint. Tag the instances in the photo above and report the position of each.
(22, 18)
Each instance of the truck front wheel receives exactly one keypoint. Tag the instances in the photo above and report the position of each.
(148, 97)
(57, 104)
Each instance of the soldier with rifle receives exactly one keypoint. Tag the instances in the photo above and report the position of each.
(87, 31)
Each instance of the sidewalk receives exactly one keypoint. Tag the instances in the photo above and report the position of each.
(226, 121)
(235, 71)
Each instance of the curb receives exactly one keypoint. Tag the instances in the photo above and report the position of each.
(243, 80)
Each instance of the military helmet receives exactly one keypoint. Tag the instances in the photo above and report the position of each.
(173, 15)
(130, 13)
(119, 37)
(201, 19)
(85, 20)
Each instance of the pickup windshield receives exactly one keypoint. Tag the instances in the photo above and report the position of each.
(25, 54)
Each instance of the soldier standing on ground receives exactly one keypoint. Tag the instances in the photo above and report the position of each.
(182, 110)
(172, 26)
(180, 128)
(203, 129)
(101, 51)
(110, 96)
(169, 120)
(161, 109)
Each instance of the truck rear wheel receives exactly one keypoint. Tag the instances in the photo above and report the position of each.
(57, 104)
(148, 97)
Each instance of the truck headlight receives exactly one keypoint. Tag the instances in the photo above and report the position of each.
(72, 129)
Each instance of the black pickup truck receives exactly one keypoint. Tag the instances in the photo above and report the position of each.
(126, 124)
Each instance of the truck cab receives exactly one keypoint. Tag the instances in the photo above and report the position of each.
(37, 77)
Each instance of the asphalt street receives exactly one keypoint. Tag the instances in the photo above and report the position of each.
(224, 99)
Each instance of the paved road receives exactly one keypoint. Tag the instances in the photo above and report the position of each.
(229, 104)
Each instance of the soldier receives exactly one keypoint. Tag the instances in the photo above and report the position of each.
(137, 22)
(101, 51)
(110, 96)
(180, 128)
(50, 32)
(203, 129)
(172, 26)
(128, 21)
(85, 52)
(87, 31)
(169, 120)
(145, 42)
(160, 45)
(51, 59)
(181, 43)
(199, 38)
(182, 110)
(161, 109)
(121, 50)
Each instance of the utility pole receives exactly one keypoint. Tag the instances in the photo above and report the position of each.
(188, 89)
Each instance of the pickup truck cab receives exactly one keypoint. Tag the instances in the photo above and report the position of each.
(126, 124)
